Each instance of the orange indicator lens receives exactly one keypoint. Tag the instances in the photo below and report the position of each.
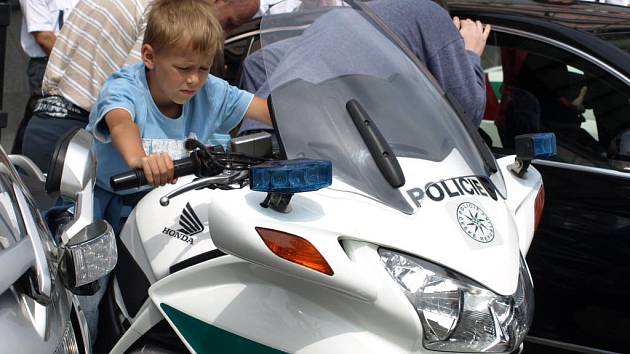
(294, 249)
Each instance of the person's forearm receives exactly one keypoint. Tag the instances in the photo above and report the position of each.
(259, 111)
(126, 139)
(46, 40)
(264, 117)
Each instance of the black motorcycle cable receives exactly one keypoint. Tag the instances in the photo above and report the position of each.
(221, 159)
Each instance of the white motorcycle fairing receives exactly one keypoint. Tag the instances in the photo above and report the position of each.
(273, 305)
(157, 239)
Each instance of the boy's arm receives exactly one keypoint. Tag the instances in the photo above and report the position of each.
(157, 167)
(259, 111)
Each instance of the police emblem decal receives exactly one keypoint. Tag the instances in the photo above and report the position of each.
(475, 222)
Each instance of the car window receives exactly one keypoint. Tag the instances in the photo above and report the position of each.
(620, 39)
(536, 87)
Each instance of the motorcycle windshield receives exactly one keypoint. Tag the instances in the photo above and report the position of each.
(317, 59)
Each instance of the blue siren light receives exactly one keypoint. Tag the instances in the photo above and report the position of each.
(544, 145)
(535, 146)
(290, 176)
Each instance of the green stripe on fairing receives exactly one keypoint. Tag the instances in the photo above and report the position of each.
(205, 338)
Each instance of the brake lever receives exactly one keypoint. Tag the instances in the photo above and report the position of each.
(224, 179)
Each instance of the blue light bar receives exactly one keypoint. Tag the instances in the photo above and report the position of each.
(534, 146)
(544, 145)
(290, 176)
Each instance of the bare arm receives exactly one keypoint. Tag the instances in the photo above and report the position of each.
(259, 111)
(475, 34)
(157, 167)
(46, 40)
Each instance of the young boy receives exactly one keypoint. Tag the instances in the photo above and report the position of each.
(145, 111)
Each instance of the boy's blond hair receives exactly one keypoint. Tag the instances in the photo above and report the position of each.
(170, 21)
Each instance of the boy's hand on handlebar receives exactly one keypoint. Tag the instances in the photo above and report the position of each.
(158, 169)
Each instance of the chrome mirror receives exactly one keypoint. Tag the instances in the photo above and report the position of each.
(72, 168)
(72, 173)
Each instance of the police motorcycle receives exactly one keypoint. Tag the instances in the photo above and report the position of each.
(41, 275)
(380, 224)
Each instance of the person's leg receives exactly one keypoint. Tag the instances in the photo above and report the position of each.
(35, 71)
(28, 113)
(41, 135)
(102, 201)
(114, 213)
(90, 303)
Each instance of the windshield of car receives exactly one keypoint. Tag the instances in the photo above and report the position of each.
(319, 60)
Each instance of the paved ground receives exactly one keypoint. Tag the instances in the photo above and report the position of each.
(15, 82)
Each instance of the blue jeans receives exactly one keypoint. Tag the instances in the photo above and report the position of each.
(35, 70)
(53, 116)
(57, 217)
(89, 304)
(108, 206)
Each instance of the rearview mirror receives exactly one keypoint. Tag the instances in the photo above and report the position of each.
(72, 168)
(88, 256)
(72, 173)
(619, 151)
(257, 144)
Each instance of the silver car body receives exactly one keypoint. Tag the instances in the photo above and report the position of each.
(37, 313)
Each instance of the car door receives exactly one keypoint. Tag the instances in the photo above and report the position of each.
(579, 256)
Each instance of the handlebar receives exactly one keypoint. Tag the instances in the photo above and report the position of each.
(135, 178)
(201, 163)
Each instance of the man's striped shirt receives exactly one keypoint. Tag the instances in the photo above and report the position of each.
(97, 39)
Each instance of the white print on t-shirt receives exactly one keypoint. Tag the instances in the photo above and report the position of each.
(176, 148)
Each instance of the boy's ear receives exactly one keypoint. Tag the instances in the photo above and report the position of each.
(148, 56)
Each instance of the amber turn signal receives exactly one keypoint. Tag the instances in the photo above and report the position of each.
(294, 249)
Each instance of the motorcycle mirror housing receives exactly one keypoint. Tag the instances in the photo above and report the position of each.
(619, 151)
(529, 147)
(73, 166)
(88, 256)
(258, 144)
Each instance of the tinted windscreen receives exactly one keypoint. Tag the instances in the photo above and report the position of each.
(343, 56)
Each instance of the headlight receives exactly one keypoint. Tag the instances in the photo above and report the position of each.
(458, 314)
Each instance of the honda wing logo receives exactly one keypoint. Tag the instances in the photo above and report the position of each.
(189, 221)
(190, 225)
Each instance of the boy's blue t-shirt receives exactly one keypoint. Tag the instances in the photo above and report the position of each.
(208, 116)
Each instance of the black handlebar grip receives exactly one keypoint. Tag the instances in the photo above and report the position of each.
(135, 178)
